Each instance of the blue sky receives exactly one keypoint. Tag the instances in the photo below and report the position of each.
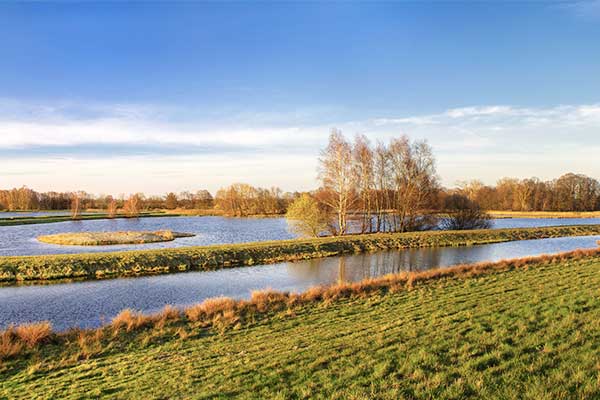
(115, 97)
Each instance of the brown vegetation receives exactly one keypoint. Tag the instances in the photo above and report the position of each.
(390, 187)
(377, 181)
(10, 344)
(570, 192)
(240, 200)
(34, 334)
(463, 214)
(111, 207)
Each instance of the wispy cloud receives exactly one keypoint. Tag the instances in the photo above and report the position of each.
(157, 147)
(587, 9)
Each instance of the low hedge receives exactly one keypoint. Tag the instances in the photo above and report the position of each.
(203, 258)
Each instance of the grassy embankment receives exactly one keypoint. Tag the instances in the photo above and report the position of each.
(524, 329)
(544, 214)
(47, 219)
(144, 262)
(111, 238)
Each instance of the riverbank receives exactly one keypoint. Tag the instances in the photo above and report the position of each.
(204, 258)
(515, 329)
(47, 219)
(543, 214)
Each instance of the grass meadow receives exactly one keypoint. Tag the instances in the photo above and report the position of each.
(522, 329)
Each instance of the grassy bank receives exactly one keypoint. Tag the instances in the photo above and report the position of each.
(544, 214)
(111, 238)
(47, 219)
(516, 329)
(103, 265)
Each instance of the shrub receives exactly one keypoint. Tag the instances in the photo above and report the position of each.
(464, 214)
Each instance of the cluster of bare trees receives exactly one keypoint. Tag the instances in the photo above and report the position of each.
(25, 199)
(387, 187)
(241, 199)
(201, 200)
(570, 192)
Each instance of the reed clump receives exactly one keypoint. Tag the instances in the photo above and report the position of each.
(34, 334)
(10, 344)
(146, 262)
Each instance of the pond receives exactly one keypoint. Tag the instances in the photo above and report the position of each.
(21, 239)
(89, 303)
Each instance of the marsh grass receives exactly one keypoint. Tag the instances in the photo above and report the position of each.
(146, 262)
(10, 344)
(34, 334)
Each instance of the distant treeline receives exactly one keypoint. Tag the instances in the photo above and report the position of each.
(390, 186)
(570, 192)
(25, 199)
(236, 200)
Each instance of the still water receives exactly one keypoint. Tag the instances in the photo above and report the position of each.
(21, 239)
(88, 304)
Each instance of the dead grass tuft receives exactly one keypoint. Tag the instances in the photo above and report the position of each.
(34, 334)
(166, 315)
(210, 308)
(130, 320)
(9, 344)
(269, 299)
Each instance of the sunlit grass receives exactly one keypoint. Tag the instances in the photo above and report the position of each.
(519, 329)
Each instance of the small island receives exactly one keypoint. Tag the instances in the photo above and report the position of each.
(111, 238)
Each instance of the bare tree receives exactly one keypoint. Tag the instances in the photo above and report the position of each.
(111, 206)
(132, 206)
(75, 205)
(382, 183)
(171, 201)
(338, 181)
(364, 178)
(415, 184)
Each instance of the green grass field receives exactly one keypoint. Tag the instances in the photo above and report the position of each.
(203, 258)
(522, 331)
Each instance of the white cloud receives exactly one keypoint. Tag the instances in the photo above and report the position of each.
(484, 142)
(588, 9)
